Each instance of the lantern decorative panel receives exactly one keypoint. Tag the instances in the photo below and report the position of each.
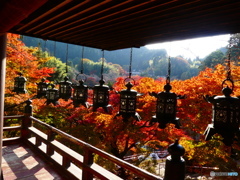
(52, 95)
(65, 89)
(80, 95)
(20, 84)
(42, 88)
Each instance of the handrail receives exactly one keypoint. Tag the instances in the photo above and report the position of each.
(89, 168)
(138, 171)
(13, 117)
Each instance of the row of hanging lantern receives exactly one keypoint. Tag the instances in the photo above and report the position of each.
(226, 115)
(166, 101)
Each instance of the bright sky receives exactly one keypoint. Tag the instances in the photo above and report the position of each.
(191, 48)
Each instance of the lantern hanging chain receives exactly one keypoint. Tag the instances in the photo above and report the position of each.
(130, 64)
(102, 64)
(82, 60)
(169, 71)
(67, 60)
(229, 77)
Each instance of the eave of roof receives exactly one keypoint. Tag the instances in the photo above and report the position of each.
(112, 25)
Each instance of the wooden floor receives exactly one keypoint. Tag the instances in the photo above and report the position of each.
(20, 162)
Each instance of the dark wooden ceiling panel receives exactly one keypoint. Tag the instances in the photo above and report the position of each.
(111, 25)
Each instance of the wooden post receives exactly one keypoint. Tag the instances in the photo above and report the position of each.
(175, 164)
(26, 121)
(3, 42)
(51, 137)
(66, 162)
(87, 161)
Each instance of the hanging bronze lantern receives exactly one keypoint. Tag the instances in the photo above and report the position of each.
(20, 84)
(128, 103)
(101, 93)
(42, 88)
(101, 97)
(65, 89)
(128, 98)
(80, 95)
(166, 107)
(226, 113)
(80, 92)
(52, 95)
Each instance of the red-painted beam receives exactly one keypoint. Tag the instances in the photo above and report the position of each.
(13, 12)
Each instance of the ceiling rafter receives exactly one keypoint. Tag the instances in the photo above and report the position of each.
(111, 25)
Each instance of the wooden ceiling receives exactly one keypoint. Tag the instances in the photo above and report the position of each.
(111, 24)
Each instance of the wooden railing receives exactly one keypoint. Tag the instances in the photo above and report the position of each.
(73, 164)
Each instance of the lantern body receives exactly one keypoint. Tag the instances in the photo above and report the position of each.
(65, 89)
(166, 109)
(52, 96)
(80, 95)
(226, 118)
(20, 85)
(42, 89)
(128, 99)
(166, 106)
(128, 102)
(226, 114)
(100, 96)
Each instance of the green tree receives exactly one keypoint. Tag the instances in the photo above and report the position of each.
(234, 41)
(59, 67)
(216, 57)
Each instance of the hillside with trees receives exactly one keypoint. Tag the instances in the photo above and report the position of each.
(110, 132)
(146, 62)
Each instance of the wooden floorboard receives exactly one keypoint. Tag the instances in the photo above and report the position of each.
(20, 162)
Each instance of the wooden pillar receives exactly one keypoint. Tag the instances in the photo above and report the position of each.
(3, 42)
(27, 121)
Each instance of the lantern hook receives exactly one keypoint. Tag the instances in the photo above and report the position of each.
(67, 60)
(229, 76)
(102, 65)
(129, 78)
(83, 77)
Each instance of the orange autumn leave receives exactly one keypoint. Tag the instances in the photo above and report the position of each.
(20, 58)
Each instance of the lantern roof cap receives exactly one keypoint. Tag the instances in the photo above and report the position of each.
(167, 87)
(227, 91)
(129, 85)
(101, 82)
